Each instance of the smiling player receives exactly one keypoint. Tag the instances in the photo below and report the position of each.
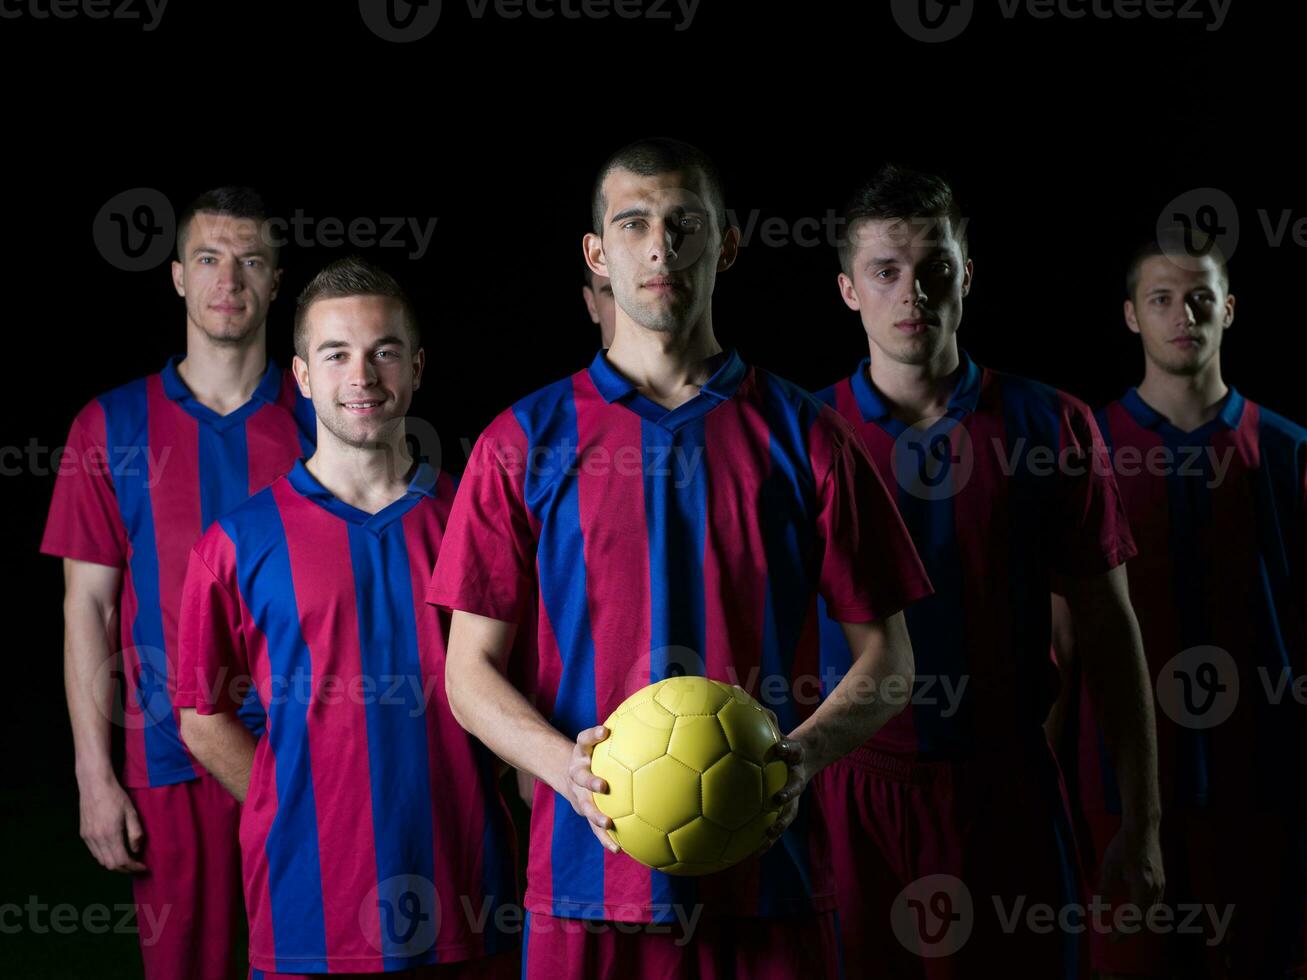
(373, 832)
(149, 466)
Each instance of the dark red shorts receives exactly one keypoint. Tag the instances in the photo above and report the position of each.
(190, 910)
(954, 869)
(1235, 903)
(713, 948)
(501, 966)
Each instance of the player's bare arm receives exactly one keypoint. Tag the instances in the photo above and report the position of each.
(875, 689)
(223, 745)
(109, 823)
(1111, 654)
(487, 705)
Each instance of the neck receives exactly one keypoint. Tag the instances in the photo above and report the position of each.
(367, 477)
(666, 367)
(916, 391)
(223, 376)
(1187, 401)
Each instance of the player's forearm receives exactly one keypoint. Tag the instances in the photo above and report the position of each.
(223, 745)
(88, 684)
(877, 687)
(1111, 655)
(489, 707)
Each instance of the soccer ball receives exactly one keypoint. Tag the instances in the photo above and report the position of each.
(689, 773)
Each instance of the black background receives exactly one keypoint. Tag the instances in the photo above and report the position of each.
(1065, 140)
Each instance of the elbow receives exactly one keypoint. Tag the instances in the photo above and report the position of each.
(186, 727)
(453, 696)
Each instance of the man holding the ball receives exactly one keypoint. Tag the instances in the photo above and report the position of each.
(670, 510)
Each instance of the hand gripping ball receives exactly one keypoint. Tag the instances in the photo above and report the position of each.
(691, 774)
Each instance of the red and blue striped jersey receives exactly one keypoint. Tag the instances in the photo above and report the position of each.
(651, 542)
(1003, 495)
(1220, 590)
(373, 836)
(146, 469)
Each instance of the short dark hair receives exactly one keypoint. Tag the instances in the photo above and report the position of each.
(351, 276)
(1175, 240)
(233, 201)
(660, 155)
(899, 192)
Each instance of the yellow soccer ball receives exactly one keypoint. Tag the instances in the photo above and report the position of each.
(691, 773)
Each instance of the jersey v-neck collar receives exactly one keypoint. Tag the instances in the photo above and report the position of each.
(874, 408)
(728, 372)
(422, 484)
(265, 393)
(1228, 417)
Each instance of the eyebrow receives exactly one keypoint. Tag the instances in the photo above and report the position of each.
(643, 212)
(385, 341)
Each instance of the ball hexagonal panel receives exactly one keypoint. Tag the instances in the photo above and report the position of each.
(699, 842)
(646, 844)
(748, 729)
(665, 793)
(698, 741)
(748, 838)
(692, 695)
(641, 735)
(617, 801)
(732, 792)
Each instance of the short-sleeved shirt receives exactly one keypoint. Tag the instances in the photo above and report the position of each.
(373, 836)
(1220, 590)
(652, 542)
(1005, 496)
(146, 469)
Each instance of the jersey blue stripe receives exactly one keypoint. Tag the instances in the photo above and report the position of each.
(294, 865)
(498, 876)
(676, 509)
(126, 422)
(787, 520)
(399, 769)
(307, 420)
(548, 417)
(224, 463)
(1032, 418)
